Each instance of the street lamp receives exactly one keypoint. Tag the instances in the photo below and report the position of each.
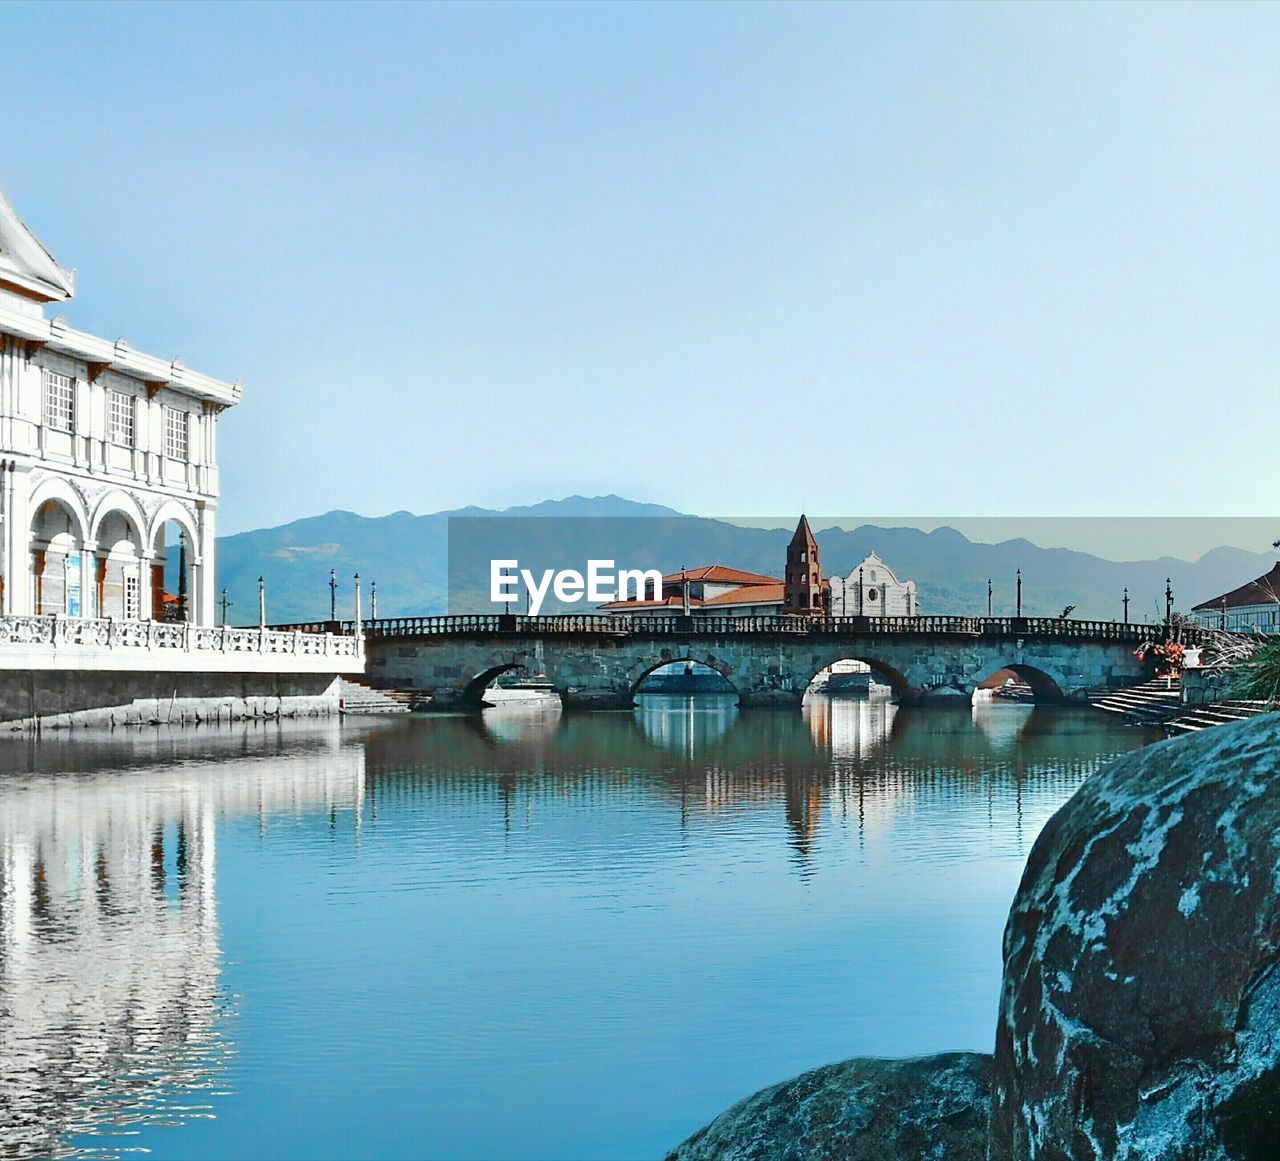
(1168, 603)
(262, 603)
(1019, 613)
(373, 601)
(988, 596)
(1126, 604)
(333, 594)
(226, 604)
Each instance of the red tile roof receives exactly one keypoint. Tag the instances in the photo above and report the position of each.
(770, 594)
(1262, 591)
(666, 602)
(721, 574)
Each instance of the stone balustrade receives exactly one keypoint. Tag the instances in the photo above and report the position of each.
(55, 642)
(1057, 628)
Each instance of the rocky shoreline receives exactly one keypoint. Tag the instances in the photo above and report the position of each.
(1140, 1006)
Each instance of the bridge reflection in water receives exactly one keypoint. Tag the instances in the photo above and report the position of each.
(418, 906)
(110, 961)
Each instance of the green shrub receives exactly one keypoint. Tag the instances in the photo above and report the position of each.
(1259, 679)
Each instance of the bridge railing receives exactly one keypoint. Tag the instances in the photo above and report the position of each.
(703, 626)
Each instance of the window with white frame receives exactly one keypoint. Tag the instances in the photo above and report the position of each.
(132, 595)
(120, 418)
(59, 401)
(175, 433)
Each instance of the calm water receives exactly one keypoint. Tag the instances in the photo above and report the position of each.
(526, 935)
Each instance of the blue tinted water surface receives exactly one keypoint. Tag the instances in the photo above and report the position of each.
(519, 935)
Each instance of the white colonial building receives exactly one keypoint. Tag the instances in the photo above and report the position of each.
(872, 590)
(107, 455)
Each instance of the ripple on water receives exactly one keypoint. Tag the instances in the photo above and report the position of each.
(362, 940)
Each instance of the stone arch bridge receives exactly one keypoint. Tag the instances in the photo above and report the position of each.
(598, 662)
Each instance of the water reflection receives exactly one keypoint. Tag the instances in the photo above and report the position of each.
(365, 931)
(685, 723)
(855, 761)
(1002, 722)
(109, 938)
(850, 728)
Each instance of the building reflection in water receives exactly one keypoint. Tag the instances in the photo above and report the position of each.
(1002, 722)
(685, 723)
(849, 728)
(110, 964)
(859, 762)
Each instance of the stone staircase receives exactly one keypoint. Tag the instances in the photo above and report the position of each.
(1221, 713)
(357, 698)
(1153, 702)
(1159, 703)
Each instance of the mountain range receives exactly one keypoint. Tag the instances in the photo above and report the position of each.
(409, 558)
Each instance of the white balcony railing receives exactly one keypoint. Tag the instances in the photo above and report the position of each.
(76, 634)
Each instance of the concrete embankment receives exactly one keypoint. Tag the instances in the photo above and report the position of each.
(61, 699)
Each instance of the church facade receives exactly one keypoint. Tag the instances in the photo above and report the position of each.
(108, 460)
(872, 589)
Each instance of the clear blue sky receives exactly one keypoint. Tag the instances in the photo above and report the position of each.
(740, 260)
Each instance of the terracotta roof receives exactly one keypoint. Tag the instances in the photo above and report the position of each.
(770, 594)
(1262, 591)
(666, 602)
(720, 573)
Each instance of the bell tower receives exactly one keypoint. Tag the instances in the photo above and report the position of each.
(802, 582)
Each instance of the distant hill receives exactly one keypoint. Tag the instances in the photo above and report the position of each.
(408, 557)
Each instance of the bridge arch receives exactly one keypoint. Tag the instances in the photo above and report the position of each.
(472, 696)
(648, 666)
(695, 666)
(887, 674)
(1045, 688)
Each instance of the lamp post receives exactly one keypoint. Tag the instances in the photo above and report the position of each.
(357, 579)
(988, 596)
(333, 594)
(684, 591)
(1019, 612)
(262, 603)
(1168, 603)
(182, 576)
(1126, 604)
(373, 601)
(1222, 619)
(226, 604)
(861, 597)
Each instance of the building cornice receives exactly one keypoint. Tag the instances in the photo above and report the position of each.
(118, 356)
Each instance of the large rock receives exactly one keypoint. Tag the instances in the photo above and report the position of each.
(1140, 1010)
(932, 1107)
